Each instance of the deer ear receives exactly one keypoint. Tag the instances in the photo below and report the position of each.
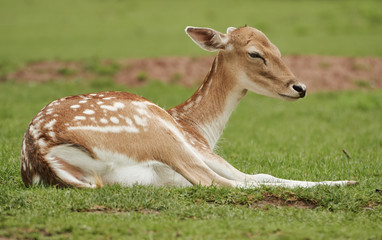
(230, 29)
(207, 38)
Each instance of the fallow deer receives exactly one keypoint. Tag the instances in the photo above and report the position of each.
(117, 137)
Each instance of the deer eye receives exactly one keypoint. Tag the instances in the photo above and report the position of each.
(257, 55)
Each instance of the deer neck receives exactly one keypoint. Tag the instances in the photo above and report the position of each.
(208, 110)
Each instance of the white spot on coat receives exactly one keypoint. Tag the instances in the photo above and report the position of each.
(52, 135)
(143, 112)
(115, 107)
(140, 121)
(24, 146)
(174, 114)
(139, 104)
(128, 121)
(37, 118)
(104, 120)
(74, 106)
(106, 129)
(79, 118)
(188, 106)
(89, 112)
(42, 143)
(50, 124)
(49, 111)
(114, 120)
(36, 179)
(198, 99)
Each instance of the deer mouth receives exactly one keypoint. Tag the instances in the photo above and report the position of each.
(289, 97)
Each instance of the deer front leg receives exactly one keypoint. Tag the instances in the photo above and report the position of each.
(226, 170)
(187, 161)
(267, 179)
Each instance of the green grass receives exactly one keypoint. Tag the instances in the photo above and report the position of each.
(301, 140)
(69, 29)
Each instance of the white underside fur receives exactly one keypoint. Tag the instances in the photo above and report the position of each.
(112, 168)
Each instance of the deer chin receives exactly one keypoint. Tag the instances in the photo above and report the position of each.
(289, 97)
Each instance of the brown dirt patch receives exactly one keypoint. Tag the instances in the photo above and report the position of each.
(22, 233)
(103, 209)
(44, 71)
(183, 70)
(319, 73)
(279, 201)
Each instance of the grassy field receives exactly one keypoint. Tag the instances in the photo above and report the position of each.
(45, 29)
(301, 140)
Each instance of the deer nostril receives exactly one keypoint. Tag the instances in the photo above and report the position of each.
(298, 88)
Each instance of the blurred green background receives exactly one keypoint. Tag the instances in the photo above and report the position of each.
(70, 29)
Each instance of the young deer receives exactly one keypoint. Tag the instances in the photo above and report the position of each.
(117, 137)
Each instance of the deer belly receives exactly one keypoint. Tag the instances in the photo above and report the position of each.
(111, 167)
(146, 173)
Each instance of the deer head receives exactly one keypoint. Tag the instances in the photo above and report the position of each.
(254, 60)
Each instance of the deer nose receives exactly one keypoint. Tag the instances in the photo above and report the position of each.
(300, 88)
